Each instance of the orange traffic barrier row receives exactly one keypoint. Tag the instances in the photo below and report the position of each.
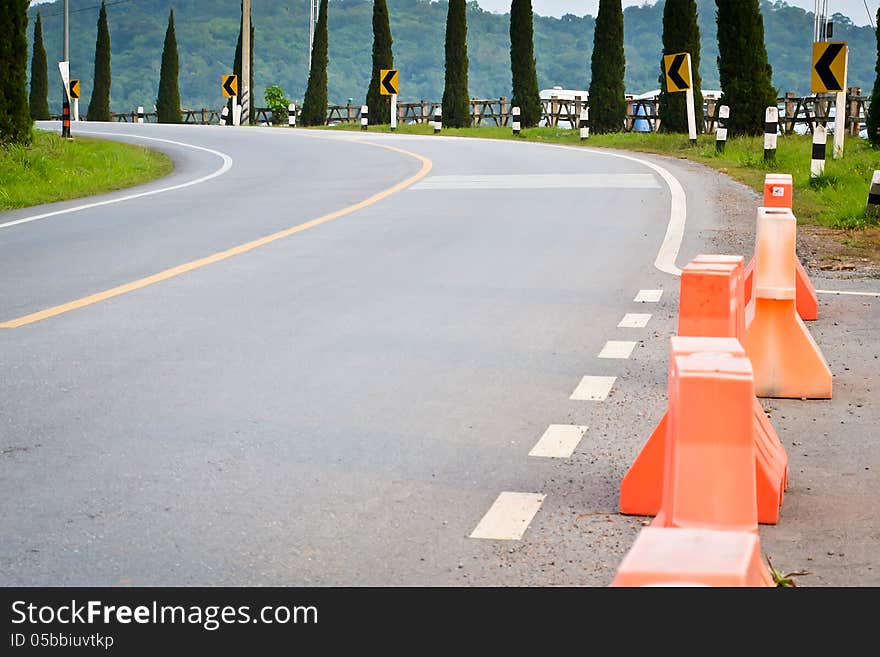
(711, 305)
(786, 360)
(778, 193)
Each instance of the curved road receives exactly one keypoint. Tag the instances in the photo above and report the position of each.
(342, 404)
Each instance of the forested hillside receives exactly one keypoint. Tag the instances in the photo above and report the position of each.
(207, 33)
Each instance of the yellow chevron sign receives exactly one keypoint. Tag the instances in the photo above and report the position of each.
(678, 71)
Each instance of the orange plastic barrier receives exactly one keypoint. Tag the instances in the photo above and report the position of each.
(711, 304)
(693, 557)
(787, 361)
(709, 476)
(778, 193)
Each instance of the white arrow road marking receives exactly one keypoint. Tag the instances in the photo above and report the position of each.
(227, 165)
(509, 517)
(542, 181)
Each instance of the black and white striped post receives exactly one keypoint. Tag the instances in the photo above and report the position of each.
(438, 120)
(771, 128)
(584, 123)
(140, 114)
(515, 121)
(873, 209)
(365, 117)
(224, 115)
(65, 120)
(820, 138)
(291, 115)
(721, 128)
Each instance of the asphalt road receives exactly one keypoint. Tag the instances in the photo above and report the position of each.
(342, 404)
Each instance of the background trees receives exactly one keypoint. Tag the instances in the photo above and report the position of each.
(608, 66)
(39, 97)
(526, 94)
(383, 57)
(99, 105)
(168, 101)
(681, 33)
(456, 102)
(314, 111)
(15, 116)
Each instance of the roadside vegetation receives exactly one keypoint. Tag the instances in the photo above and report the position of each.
(52, 169)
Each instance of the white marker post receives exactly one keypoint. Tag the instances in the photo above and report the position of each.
(140, 114)
(721, 128)
(873, 209)
(584, 123)
(515, 122)
(291, 115)
(76, 109)
(224, 115)
(689, 100)
(393, 112)
(236, 112)
(365, 117)
(771, 127)
(817, 164)
(840, 114)
(438, 120)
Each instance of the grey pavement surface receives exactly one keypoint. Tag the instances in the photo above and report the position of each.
(342, 406)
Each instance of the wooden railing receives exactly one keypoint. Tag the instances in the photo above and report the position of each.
(641, 115)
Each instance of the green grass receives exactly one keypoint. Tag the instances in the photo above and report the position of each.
(52, 169)
(836, 200)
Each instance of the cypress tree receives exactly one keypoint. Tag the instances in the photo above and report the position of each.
(236, 69)
(607, 92)
(525, 95)
(15, 115)
(456, 102)
(873, 118)
(39, 98)
(681, 33)
(314, 110)
(743, 68)
(168, 102)
(99, 105)
(383, 57)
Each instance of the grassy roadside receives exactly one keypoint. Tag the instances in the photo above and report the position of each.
(838, 201)
(52, 169)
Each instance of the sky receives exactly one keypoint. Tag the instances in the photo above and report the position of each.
(855, 9)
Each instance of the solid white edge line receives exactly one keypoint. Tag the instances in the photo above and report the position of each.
(227, 165)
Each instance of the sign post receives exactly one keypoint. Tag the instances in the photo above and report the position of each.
(830, 62)
(679, 77)
(389, 85)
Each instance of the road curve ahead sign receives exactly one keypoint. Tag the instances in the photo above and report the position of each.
(230, 85)
(829, 67)
(678, 71)
(389, 82)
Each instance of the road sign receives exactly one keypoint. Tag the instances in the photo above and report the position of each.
(230, 85)
(829, 67)
(389, 84)
(678, 71)
(74, 89)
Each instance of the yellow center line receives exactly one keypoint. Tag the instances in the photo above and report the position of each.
(228, 253)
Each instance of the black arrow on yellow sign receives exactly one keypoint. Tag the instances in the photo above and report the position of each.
(823, 67)
(74, 89)
(675, 71)
(230, 85)
(389, 85)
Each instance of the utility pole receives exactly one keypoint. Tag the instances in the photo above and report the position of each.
(246, 62)
(66, 31)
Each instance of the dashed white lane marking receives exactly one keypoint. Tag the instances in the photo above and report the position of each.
(542, 181)
(617, 349)
(854, 294)
(635, 320)
(593, 388)
(648, 296)
(226, 166)
(559, 441)
(509, 516)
